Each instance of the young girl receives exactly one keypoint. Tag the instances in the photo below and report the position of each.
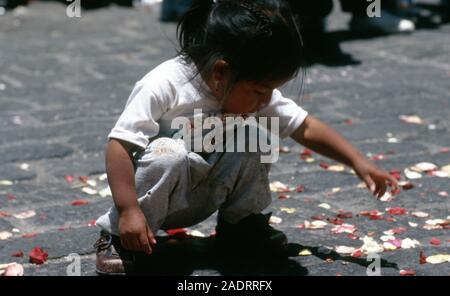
(234, 55)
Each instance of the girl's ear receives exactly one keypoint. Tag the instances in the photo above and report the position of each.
(221, 72)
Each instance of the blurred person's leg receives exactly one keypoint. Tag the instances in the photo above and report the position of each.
(11, 4)
(318, 46)
(172, 10)
(390, 21)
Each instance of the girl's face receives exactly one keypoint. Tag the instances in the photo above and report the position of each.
(248, 96)
(244, 96)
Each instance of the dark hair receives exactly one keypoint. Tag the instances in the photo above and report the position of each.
(259, 39)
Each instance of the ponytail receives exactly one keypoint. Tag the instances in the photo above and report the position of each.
(190, 29)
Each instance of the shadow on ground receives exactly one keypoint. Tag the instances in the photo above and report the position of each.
(183, 256)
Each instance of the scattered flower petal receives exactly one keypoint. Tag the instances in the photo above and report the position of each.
(305, 252)
(407, 272)
(423, 167)
(105, 192)
(406, 185)
(435, 241)
(288, 210)
(422, 258)
(344, 215)
(408, 243)
(179, 232)
(25, 215)
(275, 220)
(345, 250)
(196, 233)
(336, 168)
(420, 214)
(14, 269)
(69, 179)
(299, 188)
(413, 119)
(344, 228)
(17, 254)
(397, 230)
(324, 165)
(89, 190)
(279, 187)
(6, 182)
(29, 235)
(387, 196)
(284, 196)
(79, 202)
(324, 206)
(371, 246)
(412, 175)
(4, 235)
(396, 211)
(38, 256)
(437, 259)
(283, 149)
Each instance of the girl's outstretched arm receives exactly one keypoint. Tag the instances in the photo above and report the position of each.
(321, 138)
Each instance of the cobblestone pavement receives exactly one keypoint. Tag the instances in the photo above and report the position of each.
(63, 83)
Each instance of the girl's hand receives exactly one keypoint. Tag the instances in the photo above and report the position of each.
(135, 235)
(376, 179)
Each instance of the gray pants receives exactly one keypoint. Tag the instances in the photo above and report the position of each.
(177, 188)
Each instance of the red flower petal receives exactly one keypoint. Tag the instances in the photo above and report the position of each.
(408, 186)
(29, 235)
(317, 217)
(17, 254)
(306, 153)
(38, 256)
(344, 215)
(324, 165)
(435, 241)
(398, 230)
(10, 196)
(179, 232)
(69, 179)
(4, 214)
(422, 258)
(92, 222)
(357, 253)
(335, 221)
(83, 179)
(396, 174)
(407, 272)
(396, 211)
(299, 188)
(377, 157)
(283, 196)
(79, 202)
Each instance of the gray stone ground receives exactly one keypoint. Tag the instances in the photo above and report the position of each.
(63, 83)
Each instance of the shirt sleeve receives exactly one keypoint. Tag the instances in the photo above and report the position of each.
(290, 115)
(138, 122)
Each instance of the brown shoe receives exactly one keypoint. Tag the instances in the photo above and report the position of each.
(112, 259)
